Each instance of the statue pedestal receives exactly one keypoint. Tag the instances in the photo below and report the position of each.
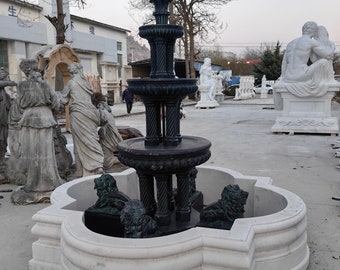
(264, 93)
(205, 101)
(306, 114)
(219, 97)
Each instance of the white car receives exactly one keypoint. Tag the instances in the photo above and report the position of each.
(258, 88)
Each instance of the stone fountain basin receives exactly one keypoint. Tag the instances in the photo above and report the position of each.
(271, 236)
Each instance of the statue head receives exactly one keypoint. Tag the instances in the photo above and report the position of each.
(133, 211)
(323, 35)
(233, 195)
(207, 61)
(132, 217)
(310, 28)
(27, 66)
(75, 68)
(3, 74)
(105, 184)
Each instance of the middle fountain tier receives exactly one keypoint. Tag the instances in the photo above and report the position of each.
(164, 152)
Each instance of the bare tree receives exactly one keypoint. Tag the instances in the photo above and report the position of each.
(59, 23)
(198, 18)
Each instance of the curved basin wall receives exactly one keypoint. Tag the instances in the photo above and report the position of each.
(276, 240)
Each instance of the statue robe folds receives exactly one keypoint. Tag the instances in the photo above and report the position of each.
(109, 138)
(85, 119)
(37, 155)
(4, 109)
(309, 81)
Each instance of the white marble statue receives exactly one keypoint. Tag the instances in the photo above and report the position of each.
(207, 78)
(219, 96)
(307, 85)
(297, 76)
(264, 91)
(207, 86)
(219, 85)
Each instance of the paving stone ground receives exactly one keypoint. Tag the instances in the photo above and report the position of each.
(240, 132)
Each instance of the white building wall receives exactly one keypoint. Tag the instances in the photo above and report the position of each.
(89, 62)
(82, 30)
(26, 29)
(23, 12)
(10, 29)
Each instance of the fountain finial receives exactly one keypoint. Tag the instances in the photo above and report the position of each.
(161, 11)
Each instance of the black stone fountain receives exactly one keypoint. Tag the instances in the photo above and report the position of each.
(164, 152)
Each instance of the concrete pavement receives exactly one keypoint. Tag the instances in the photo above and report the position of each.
(240, 132)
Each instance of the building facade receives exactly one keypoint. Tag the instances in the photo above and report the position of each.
(25, 32)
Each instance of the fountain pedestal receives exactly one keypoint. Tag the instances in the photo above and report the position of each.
(159, 164)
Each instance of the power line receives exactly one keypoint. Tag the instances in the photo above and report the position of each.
(249, 44)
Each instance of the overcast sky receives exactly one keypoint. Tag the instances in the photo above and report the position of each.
(250, 22)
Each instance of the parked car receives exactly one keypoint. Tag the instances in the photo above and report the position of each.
(258, 88)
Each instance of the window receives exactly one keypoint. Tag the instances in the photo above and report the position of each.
(120, 62)
(91, 29)
(119, 46)
(3, 54)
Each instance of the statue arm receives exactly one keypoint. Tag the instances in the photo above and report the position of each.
(55, 104)
(313, 57)
(65, 95)
(283, 65)
(7, 83)
(324, 51)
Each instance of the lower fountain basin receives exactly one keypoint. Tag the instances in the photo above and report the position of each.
(271, 236)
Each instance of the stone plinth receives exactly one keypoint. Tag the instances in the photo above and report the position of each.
(271, 236)
(264, 93)
(305, 114)
(219, 97)
(205, 102)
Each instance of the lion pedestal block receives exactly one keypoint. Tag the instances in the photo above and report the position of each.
(306, 114)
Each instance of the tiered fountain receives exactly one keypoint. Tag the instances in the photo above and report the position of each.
(164, 152)
(271, 236)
